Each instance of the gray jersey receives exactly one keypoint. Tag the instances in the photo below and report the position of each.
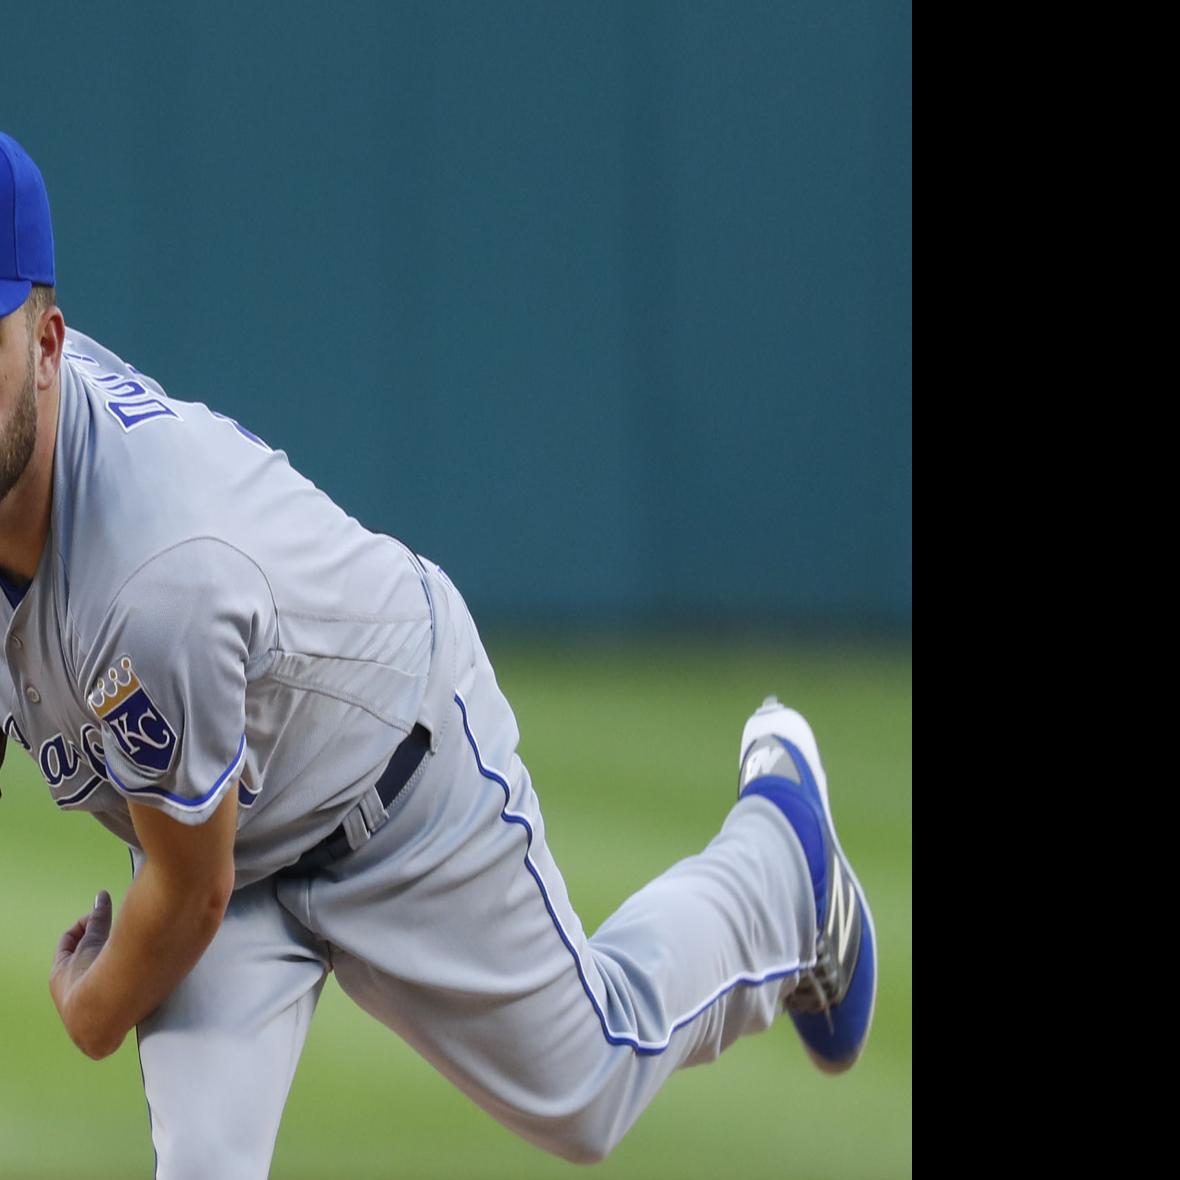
(175, 646)
(175, 642)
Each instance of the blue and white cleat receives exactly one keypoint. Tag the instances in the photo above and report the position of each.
(832, 1005)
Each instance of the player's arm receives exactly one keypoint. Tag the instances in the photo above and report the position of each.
(104, 980)
(167, 663)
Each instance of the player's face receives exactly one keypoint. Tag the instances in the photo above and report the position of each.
(18, 399)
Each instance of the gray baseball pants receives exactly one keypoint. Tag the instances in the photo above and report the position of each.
(452, 927)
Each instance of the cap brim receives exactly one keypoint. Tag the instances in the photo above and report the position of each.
(13, 292)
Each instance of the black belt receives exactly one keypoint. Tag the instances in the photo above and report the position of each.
(334, 846)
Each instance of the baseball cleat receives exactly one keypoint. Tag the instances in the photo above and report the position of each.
(832, 1004)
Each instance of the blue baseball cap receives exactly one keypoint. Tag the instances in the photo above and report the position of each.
(26, 232)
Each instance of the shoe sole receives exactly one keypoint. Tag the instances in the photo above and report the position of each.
(816, 1031)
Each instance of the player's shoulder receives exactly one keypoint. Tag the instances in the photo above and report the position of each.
(114, 407)
(124, 441)
(143, 482)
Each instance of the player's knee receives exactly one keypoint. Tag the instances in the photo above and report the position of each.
(201, 1157)
(580, 1151)
(227, 1168)
(581, 1139)
(593, 1152)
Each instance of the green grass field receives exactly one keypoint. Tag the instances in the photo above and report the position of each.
(632, 747)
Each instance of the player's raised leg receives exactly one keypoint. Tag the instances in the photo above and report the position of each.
(219, 1055)
(453, 927)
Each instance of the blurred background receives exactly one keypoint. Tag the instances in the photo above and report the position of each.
(608, 309)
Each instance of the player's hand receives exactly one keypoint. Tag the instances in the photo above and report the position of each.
(76, 951)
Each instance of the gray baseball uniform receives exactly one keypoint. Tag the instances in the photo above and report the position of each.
(203, 620)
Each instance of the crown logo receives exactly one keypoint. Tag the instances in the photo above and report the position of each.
(114, 688)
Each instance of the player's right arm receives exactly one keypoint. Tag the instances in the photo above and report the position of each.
(103, 986)
(165, 677)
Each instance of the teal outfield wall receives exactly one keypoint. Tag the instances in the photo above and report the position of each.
(607, 307)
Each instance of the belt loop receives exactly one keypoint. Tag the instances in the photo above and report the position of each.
(355, 829)
(364, 819)
(373, 810)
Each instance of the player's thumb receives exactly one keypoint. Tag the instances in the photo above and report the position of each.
(98, 924)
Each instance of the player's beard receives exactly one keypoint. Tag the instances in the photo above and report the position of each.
(20, 437)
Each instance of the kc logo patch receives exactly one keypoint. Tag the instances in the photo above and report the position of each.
(139, 727)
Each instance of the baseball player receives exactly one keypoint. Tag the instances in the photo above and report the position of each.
(293, 725)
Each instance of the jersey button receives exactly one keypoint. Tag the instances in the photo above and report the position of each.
(16, 642)
(33, 695)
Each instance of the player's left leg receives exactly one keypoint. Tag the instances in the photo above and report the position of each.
(219, 1054)
(453, 927)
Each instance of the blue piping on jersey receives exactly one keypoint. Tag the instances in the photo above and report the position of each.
(644, 1048)
(186, 804)
(247, 796)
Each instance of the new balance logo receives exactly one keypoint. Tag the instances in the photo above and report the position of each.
(842, 911)
(768, 758)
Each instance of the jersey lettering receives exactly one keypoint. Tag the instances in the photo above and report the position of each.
(92, 784)
(129, 401)
(59, 760)
(133, 414)
(92, 747)
(121, 386)
(13, 731)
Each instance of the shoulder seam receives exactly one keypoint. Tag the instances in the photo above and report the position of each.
(154, 557)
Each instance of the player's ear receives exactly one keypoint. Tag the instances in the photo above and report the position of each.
(49, 337)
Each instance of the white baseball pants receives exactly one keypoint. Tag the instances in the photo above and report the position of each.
(452, 927)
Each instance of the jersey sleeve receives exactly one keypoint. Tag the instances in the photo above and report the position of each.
(166, 679)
